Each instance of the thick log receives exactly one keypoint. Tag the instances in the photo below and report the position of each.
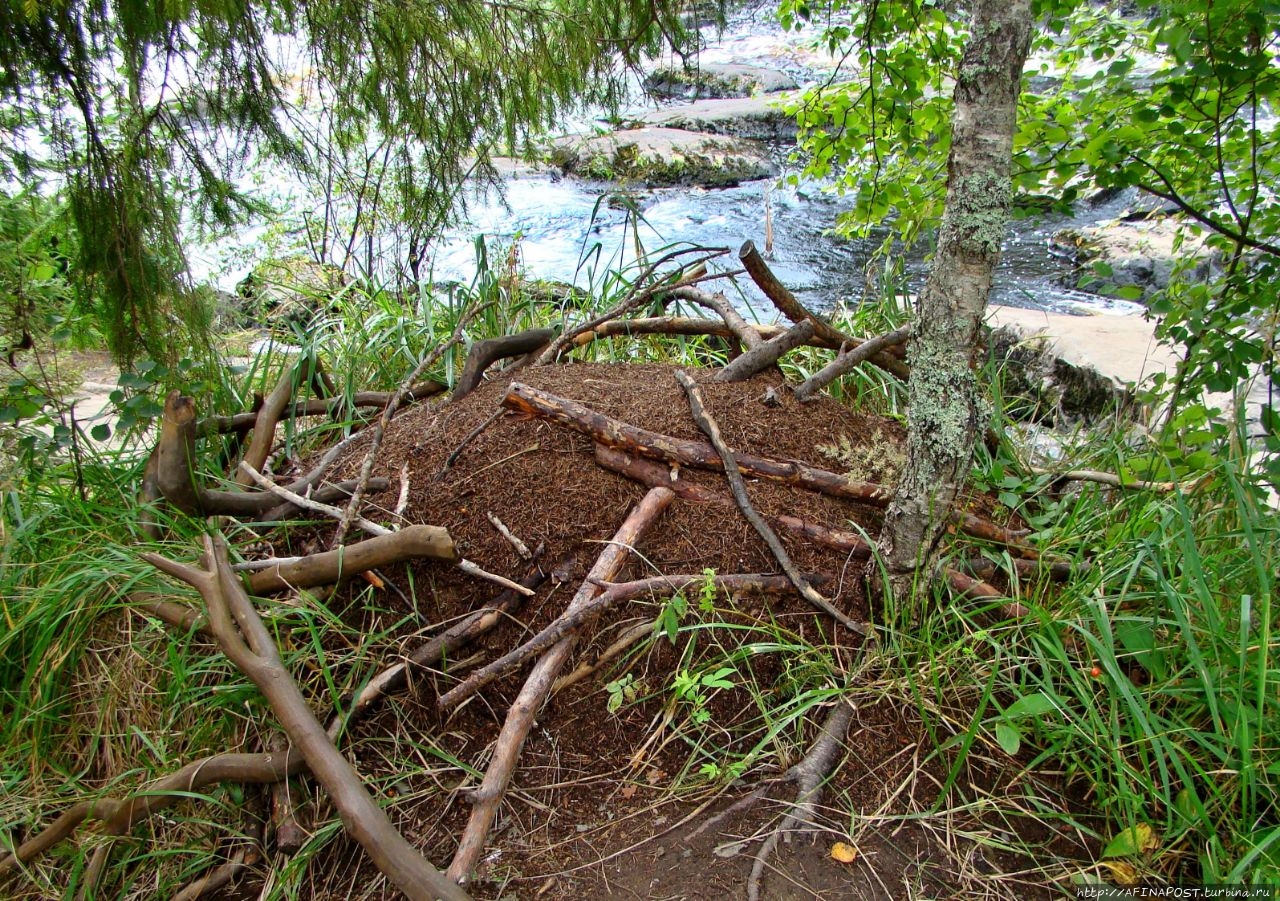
(515, 729)
(170, 473)
(764, 355)
(787, 304)
(484, 353)
(249, 645)
(411, 543)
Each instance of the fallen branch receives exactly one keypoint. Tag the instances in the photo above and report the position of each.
(245, 857)
(264, 426)
(787, 304)
(410, 543)
(764, 355)
(435, 651)
(718, 303)
(809, 775)
(349, 515)
(640, 293)
(654, 476)
(249, 645)
(1109, 478)
(846, 361)
(1057, 570)
(681, 325)
(333, 406)
(484, 353)
(711, 429)
(521, 549)
(515, 729)
(610, 596)
(169, 473)
(624, 641)
(262, 504)
(119, 815)
(617, 434)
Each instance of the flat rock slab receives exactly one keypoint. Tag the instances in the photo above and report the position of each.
(659, 157)
(717, 81)
(757, 118)
(1140, 254)
(1123, 348)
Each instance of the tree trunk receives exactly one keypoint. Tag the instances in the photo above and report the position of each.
(946, 412)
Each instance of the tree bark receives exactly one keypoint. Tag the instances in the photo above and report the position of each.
(946, 412)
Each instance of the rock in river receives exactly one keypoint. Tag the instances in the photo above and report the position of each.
(658, 157)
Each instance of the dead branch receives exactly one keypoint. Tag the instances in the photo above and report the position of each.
(244, 504)
(680, 325)
(787, 304)
(521, 549)
(624, 641)
(264, 426)
(119, 815)
(809, 775)
(851, 543)
(484, 353)
(251, 648)
(641, 292)
(520, 717)
(1057, 570)
(410, 543)
(169, 473)
(846, 361)
(440, 648)
(245, 857)
(712, 430)
(290, 835)
(462, 445)
(181, 617)
(764, 355)
(610, 596)
(473, 569)
(401, 394)
(617, 434)
(718, 303)
(332, 406)
(1109, 478)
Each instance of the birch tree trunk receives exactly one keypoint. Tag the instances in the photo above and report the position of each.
(946, 411)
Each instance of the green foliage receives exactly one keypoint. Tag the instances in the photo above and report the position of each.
(1176, 98)
(145, 113)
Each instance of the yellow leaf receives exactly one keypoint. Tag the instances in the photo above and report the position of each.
(1123, 873)
(843, 852)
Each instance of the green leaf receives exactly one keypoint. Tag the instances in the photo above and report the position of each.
(1008, 737)
(1036, 704)
(100, 432)
(1130, 842)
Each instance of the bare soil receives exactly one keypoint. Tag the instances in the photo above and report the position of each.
(608, 804)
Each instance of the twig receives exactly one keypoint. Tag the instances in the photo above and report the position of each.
(709, 427)
(264, 425)
(462, 445)
(366, 468)
(473, 569)
(849, 359)
(245, 857)
(402, 501)
(1109, 478)
(621, 643)
(522, 549)
(243, 422)
(307, 503)
(247, 642)
(515, 729)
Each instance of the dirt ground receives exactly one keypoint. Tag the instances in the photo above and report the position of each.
(606, 803)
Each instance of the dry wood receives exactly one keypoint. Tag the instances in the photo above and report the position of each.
(264, 426)
(587, 669)
(119, 815)
(1057, 570)
(462, 445)
(440, 648)
(410, 543)
(764, 355)
(711, 429)
(484, 353)
(245, 857)
(169, 475)
(249, 645)
(846, 361)
(521, 549)
(787, 304)
(333, 406)
(809, 775)
(515, 729)
(610, 596)
(260, 504)
(182, 617)
(1108, 478)
(680, 325)
(617, 434)
(290, 834)
(641, 292)
(851, 543)
(718, 303)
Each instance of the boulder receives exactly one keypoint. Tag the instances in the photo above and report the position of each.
(1138, 256)
(712, 81)
(660, 157)
(755, 118)
(289, 290)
